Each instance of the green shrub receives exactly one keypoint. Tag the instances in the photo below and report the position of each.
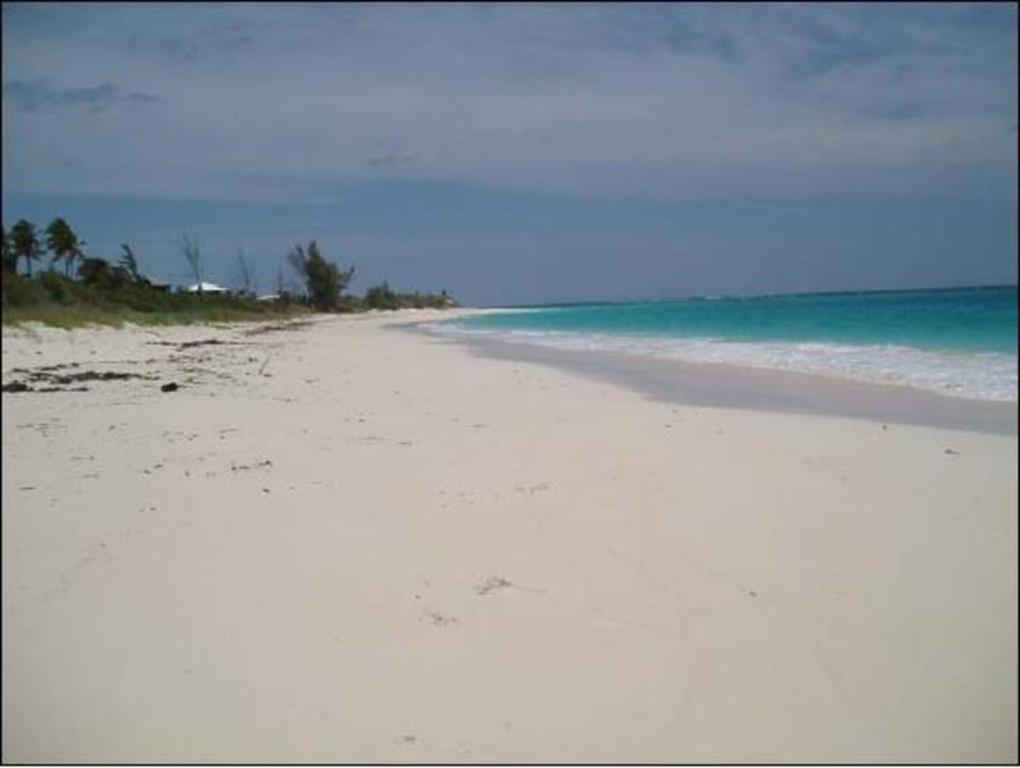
(100, 274)
(58, 288)
(381, 297)
(19, 291)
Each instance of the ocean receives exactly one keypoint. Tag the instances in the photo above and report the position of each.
(960, 342)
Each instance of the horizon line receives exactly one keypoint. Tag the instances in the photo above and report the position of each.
(725, 297)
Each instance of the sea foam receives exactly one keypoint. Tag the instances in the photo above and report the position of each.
(971, 375)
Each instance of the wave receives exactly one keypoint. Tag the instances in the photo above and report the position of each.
(970, 375)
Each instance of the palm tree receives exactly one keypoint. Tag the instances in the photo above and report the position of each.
(129, 264)
(24, 243)
(63, 243)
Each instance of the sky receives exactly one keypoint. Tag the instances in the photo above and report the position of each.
(525, 153)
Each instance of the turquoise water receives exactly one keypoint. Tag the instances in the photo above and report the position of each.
(959, 342)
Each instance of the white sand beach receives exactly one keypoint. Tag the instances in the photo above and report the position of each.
(340, 542)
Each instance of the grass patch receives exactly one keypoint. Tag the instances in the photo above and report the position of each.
(77, 316)
(54, 300)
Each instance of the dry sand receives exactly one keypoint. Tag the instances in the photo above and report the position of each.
(344, 543)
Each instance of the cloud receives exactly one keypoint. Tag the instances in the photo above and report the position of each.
(394, 159)
(219, 39)
(41, 96)
(664, 101)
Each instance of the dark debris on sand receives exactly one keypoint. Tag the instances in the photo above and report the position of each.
(57, 382)
(291, 326)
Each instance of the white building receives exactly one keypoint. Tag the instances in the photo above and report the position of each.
(204, 287)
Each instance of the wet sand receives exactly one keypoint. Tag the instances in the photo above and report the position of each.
(730, 386)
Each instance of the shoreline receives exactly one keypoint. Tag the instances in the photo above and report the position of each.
(336, 542)
(725, 385)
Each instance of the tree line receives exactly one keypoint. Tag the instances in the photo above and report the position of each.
(325, 282)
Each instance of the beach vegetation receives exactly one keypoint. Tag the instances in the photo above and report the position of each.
(101, 274)
(114, 292)
(324, 280)
(57, 287)
(245, 278)
(63, 243)
(381, 297)
(25, 244)
(109, 297)
(107, 293)
(9, 263)
(193, 255)
(129, 264)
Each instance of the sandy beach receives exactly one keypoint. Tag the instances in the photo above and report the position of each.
(340, 541)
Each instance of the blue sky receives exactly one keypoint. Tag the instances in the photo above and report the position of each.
(518, 153)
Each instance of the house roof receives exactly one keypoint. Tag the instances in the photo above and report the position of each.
(205, 288)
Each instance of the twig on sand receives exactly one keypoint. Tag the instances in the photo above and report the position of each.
(264, 364)
(494, 583)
